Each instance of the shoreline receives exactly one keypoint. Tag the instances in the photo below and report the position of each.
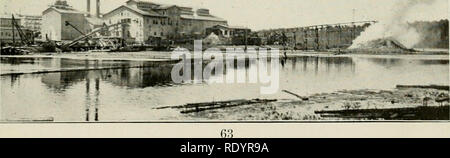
(316, 106)
(165, 56)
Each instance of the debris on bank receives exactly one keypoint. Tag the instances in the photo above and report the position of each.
(438, 87)
(409, 113)
(198, 107)
(412, 102)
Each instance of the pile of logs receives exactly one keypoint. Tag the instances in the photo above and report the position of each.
(198, 107)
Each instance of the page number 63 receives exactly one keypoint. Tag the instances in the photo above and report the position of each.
(226, 133)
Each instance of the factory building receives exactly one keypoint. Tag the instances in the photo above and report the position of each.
(6, 29)
(228, 31)
(31, 22)
(234, 35)
(147, 21)
(54, 21)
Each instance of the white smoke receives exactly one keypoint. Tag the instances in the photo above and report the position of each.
(396, 26)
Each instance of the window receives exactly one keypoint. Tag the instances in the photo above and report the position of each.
(162, 34)
(154, 33)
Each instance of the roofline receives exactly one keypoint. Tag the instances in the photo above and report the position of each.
(233, 27)
(52, 8)
(167, 7)
(128, 7)
(204, 19)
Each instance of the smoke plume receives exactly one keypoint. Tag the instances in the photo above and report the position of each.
(396, 26)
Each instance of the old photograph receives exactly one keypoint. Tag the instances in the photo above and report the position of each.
(224, 60)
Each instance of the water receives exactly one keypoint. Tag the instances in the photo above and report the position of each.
(131, 89)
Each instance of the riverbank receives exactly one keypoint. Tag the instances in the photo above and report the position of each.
(166, 56)
(315, 107)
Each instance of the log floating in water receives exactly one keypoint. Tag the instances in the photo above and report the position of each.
(438, 87)
(198, 107)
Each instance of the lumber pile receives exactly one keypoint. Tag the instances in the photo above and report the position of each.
(438, 87)
(198, 107)
(410, 113)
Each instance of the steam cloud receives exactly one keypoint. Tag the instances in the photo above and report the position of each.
(396, 26)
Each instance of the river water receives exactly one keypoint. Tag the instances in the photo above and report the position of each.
(124, 90)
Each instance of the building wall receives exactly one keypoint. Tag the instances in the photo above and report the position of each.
(6, 33)
(32, 23)
(144, 28)
(135, 27)
(54, 25)
(191, 26)
(155, 27)
(172, 24)
(7, 22)
(78, 20)
(51, 22)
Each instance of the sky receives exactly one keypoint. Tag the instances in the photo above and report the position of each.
(264, 14)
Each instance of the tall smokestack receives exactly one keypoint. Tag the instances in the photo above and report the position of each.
(98, 8)
(88, 9)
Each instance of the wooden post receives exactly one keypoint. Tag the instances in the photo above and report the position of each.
(295, 39)
(317, 38)
(339, 32)
(328, 37)
(245, 36)
(13, 32)
(306, 39)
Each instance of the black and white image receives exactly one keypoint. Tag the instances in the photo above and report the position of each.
(224, 60)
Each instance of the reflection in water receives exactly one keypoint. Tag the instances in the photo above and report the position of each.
(388, 62)
(434, 62)
(97, 93)
(319, 64)
(400, 62)
(88, 99)
(62, 81)
(129, 93)
(88, 103)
